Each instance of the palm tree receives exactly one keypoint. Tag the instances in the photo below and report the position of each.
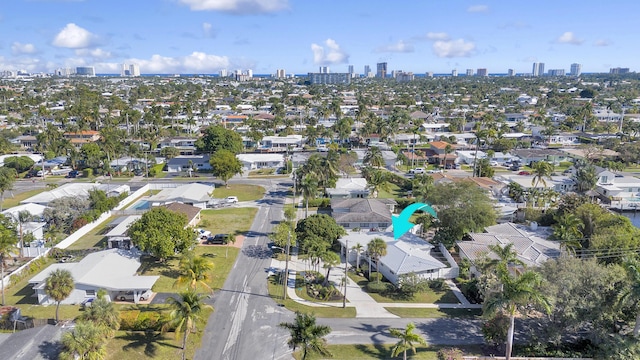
(7, 179)
(376, 248)
(307, 334)
(632, 292)
(22, 217)
(373, 157)
(568, 229)
(407, 340)
(309, 188)
(506, 256)
(377, 180)
(516, 192)
(358, 248)
(194, 270)
(103, 313)
(517, 292)
(58, 286)
(330, 259)
(186, 311)
(231, 239)
(85, 342)
(7, 247)
(541, 170)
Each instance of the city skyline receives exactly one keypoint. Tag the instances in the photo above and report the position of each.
(206, 36)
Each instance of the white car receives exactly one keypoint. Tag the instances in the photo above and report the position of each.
(231, 199)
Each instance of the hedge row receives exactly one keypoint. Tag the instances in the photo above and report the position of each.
(136, 320)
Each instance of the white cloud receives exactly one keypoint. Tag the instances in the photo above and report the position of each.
(569, 38)
(196, 62)
(453, 48)
(329, 54)
(208, 30)
(477, 8)
(238, 6)
(603, 42)
(399, 47)
(437, 36)
(21, 49)
(94, 53)
(74, 37)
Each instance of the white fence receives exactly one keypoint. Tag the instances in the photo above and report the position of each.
(453, 271)
(78, 233)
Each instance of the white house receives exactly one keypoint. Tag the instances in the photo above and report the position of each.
(184, 162)
(194, 194)
(76, 190)
(408, 254)
(281, 143)
(468, 157)
(623, 190)
(117, 237)
(113, 270)
(347, 188)
(261, 161)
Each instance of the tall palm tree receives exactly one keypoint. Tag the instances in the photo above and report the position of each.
(309, 188)
(506, 256)
(22, 217)
(408, 339)
(515, 191)
(186, 311)
(194, 270)
(373, 157)
(103, 313)
(517, 292)
(632, 292)
(7, 247)
(376, 248)
(358, 248)
(568, 229)
(58, 286)
(86, 342)
(541, 170)
(329, 259)
(307, 334)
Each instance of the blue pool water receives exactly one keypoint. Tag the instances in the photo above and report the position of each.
(140, 205)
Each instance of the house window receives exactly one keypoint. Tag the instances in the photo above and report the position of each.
(383, 225)
(90, 293)
(364, 225)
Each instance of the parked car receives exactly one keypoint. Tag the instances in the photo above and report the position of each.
(419, 170)
(129, 296)
(524, 173)
(232, 199)
(72, 174)
(219, 239)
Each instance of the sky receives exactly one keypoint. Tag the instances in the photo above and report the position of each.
(299, 36)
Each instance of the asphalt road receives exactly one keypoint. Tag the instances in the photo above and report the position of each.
(245, 322)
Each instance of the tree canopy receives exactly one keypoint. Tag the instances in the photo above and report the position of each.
(225, 164)
(318, 227)
(218, 138)
(162, 233)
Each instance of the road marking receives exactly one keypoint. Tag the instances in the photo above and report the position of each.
(238, 318)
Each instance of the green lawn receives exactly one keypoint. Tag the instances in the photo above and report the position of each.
(275, 291)
(428, 297)
(11, 201)
(159, 173)
(168, 270)
(394, 192)
(434, 313)
(244, 192)
(383, 351)
(228, 221)
(94, 238)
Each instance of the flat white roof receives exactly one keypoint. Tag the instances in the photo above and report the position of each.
(123, 226)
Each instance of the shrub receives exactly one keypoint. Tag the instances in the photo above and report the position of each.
(450, 354)
(495, 329)
(438, 285)
(470, 290)
(320, 202)
(136, 320)
(375, 276)
(376, 287)
(88, 173)
(128, 319)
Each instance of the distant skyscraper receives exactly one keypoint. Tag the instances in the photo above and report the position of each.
(223, 73)
(134, 70)
(469, 72)
(367, 70)
(454, 72)
(249, 73)
(482, 72)
(557, 72)
(429, 74)
(619, 70)
(124, 70)
(576, 69)
(350, 69)
(327, 78)
(402, 76)
(280, 74)
(511, 72)
(85, 71)
(538, 69)
(381, 70)
(324, 69)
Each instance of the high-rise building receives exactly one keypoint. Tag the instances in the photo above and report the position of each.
(454, 72)
(557, 72)
(280, 74)
(85, 71)
(351, 70)
(576, 69)
(381, 70)
(429, 74)
(482, 72)
(511, 72)
(538, 69)
(223, 73)
(402, 76)
(134, 70)
(619, 70)
(66, 72)
(324, 69)
(367, 70)
(330, 78)
(469, 72)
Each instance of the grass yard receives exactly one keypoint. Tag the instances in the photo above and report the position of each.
(394, 192)
(383, 351)
(94, 238)
(168, 270)
(435, 313)
(11, 201)
(244, 192)
(429, 297)
(228, 221)
(275, 291)
(155, 345)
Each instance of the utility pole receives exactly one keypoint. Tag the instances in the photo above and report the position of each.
(346, 268)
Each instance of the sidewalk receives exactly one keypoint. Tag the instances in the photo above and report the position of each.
(365, 305)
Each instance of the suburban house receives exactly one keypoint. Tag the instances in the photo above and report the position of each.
(113, 270)
(357, 213)
(76, 190)
(348, 188)
(186, 162)
(468, 157)
(117, 237)
(439, 153)
(26, 142)
(529, 156)
(186, 145)
(530, 244)
(281, 143)
(35, 210)
(408, 254)
(80, 138)
(559, 183)
(261, 161)
(390, 158)
(622, 190)
(194, 194)
(191, 212)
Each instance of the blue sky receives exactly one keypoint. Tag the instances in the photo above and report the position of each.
(204, 36)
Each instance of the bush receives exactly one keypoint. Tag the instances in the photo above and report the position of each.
(375, 276)
(450, 354)
(88, 173)
(438, 285)
(320, 202)
(403, 203)
(376, 287)
(470, 290)
(136, 320)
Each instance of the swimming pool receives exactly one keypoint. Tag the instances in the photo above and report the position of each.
(140, 205)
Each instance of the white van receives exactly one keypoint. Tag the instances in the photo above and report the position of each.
(419, 171)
